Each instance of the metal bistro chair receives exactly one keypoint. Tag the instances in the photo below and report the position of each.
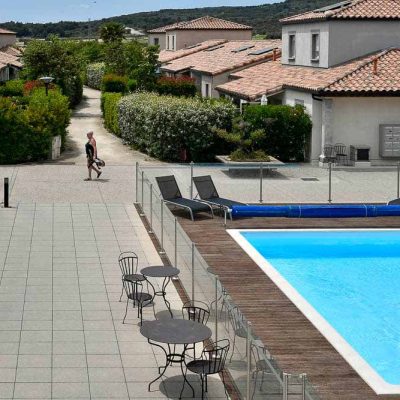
(197, 311)
(134, 292)
(128, 263)
(212, 361)
(238, 323)
(329, 153)
(260, 356)
(341, 154)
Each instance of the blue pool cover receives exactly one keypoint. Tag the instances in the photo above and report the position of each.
(318, 211)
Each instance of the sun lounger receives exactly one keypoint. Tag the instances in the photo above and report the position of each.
(172, 195)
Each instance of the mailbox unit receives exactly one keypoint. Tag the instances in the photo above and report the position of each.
(389, 141)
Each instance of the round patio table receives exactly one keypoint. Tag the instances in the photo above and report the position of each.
(174, 332)
(161, 272)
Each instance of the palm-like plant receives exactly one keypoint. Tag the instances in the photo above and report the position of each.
(112, 32)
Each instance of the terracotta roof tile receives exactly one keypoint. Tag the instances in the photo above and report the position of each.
(379, 75)
(10, 59)
(273, 77)
(12, 51)
(169, 55)
(225, 57)
(202, 23)
(6, 32)
(355, 9)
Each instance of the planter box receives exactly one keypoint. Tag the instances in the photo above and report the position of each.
(251, 167)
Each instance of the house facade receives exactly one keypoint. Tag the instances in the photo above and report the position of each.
(342, 64)
(10, 63)
(212, 66)
(185, 34)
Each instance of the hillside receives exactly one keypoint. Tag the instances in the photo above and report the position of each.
(264, 19)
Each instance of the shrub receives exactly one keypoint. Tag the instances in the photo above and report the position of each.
(182, 86)
(94, 75)
(109, 107)
(287, 129)
(166, 126)
(114, 83)
(12, 88)
(73, 89)
(27, 129)
(132, 85)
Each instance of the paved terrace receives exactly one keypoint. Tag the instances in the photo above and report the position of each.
(61, 331)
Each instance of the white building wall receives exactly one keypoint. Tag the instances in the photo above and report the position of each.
(7, 40)
(356, 121)
(303, 44)
(351, 39)
(161, 39)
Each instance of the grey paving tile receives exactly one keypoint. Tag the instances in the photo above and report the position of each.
(70, 390)
(106, 375)
(37, 325)
(34, 361)
(6, 390)
(33, 375)
(65, 375)
(36, 336)
(102, 348)
(35, 348)
(69, 361)
(104, 361)
(9, 348)
(68, 348)
(32, 390)
(108, 390)
(7, 374)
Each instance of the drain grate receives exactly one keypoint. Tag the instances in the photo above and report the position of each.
(310, 179)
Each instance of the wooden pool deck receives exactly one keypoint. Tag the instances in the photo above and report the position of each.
(293, 341)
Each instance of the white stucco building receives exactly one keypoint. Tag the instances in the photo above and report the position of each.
(185, 34)
(10, 63)
(342, 63)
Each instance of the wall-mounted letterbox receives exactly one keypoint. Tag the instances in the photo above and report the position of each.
(389, 141)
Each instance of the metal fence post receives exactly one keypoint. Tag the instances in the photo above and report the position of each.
(303, 383)
(142, 199)
(216, 308)
(6, 192)
(193, 249)
(261, 183)
(191, 179)
(151, 208)
(285, 386)
(248, 351)
(137, 183)
(162, 251)
(398, 180)
(176, 244)
(330, 183)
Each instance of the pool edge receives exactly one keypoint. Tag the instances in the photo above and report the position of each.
(352, 357)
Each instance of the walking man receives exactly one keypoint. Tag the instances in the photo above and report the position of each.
(91, 155)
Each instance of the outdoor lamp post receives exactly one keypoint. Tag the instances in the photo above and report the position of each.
(47, 80)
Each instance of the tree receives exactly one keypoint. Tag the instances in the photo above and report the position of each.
(112, 32)
(57, 59)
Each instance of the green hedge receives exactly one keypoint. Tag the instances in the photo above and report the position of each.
(182, 86)
(109, 107)
(94, 75)
(113, 83)
(164, 126)
(29, 124)
(12, 88)
(288, 130)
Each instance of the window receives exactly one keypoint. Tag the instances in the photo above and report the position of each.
(156, 41)
(173, 42)
(170, 42)
(298, 102)
(207, 90)
(292, 46)
(315, 46)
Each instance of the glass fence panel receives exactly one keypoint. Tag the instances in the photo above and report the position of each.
(254, 372)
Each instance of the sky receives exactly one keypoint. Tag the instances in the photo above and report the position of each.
(82, 10)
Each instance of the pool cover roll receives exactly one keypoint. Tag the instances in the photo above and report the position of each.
(318, 211)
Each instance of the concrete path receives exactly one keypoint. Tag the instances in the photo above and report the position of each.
(87, 117)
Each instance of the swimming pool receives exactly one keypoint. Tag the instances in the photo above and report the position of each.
(347, 283)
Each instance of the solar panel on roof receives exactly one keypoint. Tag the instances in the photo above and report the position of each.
(334, 6)
(261, 51)
(193, 46)
(243, 48)
(214, 48)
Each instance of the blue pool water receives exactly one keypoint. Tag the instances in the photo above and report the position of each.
(352, 278)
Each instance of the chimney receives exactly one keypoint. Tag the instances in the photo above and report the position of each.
(375, 65)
